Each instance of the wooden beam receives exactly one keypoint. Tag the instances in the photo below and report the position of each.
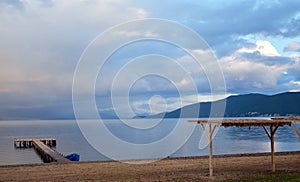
(213, 130)
(267, 132)
(247, 122)
(204, 132)
(274, 129)
(210, 151)
(295, 129)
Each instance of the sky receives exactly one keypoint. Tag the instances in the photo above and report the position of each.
(256, 44)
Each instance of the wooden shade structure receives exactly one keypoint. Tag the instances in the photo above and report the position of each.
(272, 123)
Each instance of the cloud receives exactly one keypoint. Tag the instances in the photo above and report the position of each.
(292, 47)
(294, 71)
(264, 48)
(222, 23)
(41, 43)
(11, 4)
(44, 43)
(251, 73)
(160, 104)
(247, 75)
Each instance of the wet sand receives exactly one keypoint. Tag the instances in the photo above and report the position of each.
(174, 169)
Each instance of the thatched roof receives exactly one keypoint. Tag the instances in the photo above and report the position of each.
(286, 119)
(248, 122)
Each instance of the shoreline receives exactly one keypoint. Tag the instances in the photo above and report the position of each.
(228, 166)
(167, 158)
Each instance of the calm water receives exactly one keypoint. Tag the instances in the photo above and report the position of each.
(69, 139)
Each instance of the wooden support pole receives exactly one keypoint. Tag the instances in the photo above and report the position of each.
(272, 148)
(271, 134)
(273, 130)
(210, 151)
(209, 136)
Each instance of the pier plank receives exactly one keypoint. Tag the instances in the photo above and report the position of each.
(43, 148)
(53, 155)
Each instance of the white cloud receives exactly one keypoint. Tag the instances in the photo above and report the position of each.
(292, 86)
(293, 47)
(129, 34)
(184, 83)
(242, 73)
(295, 83)
(265, 48)
(42, 44)
(141, 13)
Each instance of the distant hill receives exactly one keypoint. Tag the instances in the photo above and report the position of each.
(249, 105)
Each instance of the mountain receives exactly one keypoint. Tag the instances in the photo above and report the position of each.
(249, 105)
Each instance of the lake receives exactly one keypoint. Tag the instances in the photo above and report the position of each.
(232, 140)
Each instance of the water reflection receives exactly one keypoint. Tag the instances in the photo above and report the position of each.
(229, 140)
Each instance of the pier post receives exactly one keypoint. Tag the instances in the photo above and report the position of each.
(210, 151)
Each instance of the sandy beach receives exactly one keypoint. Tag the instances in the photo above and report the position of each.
(175, 169)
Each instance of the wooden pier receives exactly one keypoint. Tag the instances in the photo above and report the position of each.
(28, 143)
(43, 148)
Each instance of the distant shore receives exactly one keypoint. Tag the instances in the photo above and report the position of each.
(236, 166)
